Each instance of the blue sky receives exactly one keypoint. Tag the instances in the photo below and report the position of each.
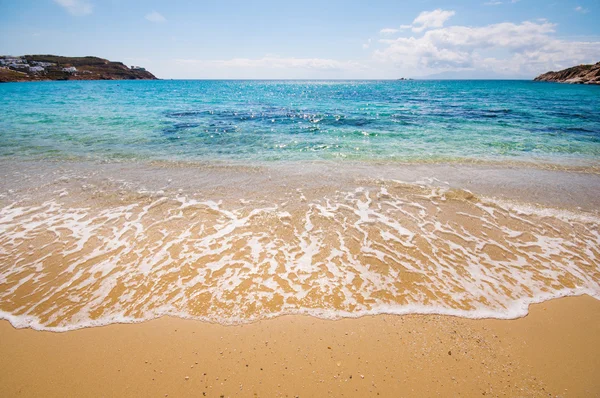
(311, 39)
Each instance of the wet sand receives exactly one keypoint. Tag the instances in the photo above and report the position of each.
(554, 351)
(90, 249)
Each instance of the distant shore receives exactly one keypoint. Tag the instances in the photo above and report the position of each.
(580, 74)
(52, 67)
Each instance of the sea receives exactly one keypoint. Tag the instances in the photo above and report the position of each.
(237, 201)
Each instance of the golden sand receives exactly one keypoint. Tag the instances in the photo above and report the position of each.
(554, 351)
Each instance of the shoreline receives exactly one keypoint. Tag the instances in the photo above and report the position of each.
(553, 351)
(242, 245)
(584, 167)
(547, 185)
(316, 314)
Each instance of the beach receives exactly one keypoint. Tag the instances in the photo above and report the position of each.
(264, 238)
(88, 244)
(554, 351)
(546, 349)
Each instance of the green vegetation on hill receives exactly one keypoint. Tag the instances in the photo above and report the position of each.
(71, 61)
(53, 67)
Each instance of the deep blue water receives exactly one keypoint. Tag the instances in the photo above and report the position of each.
(301, 120)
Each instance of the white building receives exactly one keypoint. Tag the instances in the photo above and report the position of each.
(70, 69)
(43, 64)
(13, 60)
(10, 60)
(36, 69)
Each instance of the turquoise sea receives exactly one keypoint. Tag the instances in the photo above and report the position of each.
(257, 121)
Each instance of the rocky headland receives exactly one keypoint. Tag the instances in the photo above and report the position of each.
(52, 67)
(581, 74)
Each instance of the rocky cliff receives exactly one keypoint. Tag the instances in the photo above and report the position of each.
(53, 67)
(582, 74)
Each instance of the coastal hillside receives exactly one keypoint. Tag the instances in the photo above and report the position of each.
(581, 74)
(52, 67)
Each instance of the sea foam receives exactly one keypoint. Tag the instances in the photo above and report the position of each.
(383, 248)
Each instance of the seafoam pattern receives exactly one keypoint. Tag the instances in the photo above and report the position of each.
(388, 247)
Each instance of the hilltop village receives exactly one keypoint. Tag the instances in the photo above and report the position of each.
(52, 67)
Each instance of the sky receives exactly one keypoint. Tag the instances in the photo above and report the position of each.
(324, 39)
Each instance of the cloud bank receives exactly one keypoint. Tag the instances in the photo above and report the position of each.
(522, 49)
(428, 46)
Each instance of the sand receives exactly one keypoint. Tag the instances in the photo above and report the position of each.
(554, 351)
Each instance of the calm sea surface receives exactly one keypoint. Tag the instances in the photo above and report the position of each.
(301, 120)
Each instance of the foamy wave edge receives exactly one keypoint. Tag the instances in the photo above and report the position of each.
(519, 309)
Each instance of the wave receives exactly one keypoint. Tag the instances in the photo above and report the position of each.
(91, 258)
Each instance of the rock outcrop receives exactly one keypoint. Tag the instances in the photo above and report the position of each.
(53, 67)
(582, 74)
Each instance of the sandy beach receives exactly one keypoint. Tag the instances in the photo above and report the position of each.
(327, 199)
(554, 351)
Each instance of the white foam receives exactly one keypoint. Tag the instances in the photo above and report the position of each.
(392, 250)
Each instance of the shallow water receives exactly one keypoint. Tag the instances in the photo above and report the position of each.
(100, 243)
(236, 201)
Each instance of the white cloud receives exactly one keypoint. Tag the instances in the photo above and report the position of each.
(425, 20)
(388, 31)
(155, 17)
(581, 9)
(76, 7)
(431, 19)
(525, 48)
(509, 49)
